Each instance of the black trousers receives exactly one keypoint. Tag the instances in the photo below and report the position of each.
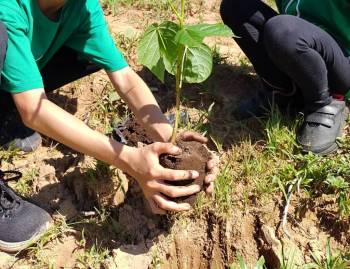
(287, 50)
(63, 68)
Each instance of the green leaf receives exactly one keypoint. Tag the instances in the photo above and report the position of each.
(159, 70)
(218, 29)
(158, 49)
(148, 51)
(260, 263)
(169, 48)
(198, 64)
(189, 38)
(193, 35)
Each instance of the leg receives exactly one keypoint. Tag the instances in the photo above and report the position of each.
(21, 223)
(308, 55)
(65, 67)
(247, 19)
(314, 60)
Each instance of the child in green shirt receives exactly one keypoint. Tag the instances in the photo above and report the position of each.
(46, 44)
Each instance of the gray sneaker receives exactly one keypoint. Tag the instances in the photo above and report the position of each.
(14, 134)
(21, 223)
(322, 127)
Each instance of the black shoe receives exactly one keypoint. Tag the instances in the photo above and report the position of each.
(321, 128)
(14, 134)
(21, 223)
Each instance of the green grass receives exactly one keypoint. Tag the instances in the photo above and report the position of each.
(330, 260)
(24, 186)
(93, 258)
(104, 114)
(241, 264)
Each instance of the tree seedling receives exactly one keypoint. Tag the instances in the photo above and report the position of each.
(178, 48)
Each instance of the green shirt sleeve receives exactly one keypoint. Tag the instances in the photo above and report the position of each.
(20, 72)
(94, 41)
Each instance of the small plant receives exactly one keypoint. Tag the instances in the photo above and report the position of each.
(179, 49)
(331, 261)
(260, 264)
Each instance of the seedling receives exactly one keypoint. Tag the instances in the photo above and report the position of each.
(178, 49)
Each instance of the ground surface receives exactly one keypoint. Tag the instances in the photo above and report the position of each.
(101, 220)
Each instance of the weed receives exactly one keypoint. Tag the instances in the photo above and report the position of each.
(127, 43)
(288, 260)
(280, 134)
(93, 258)
(9, 154)
(104, 113)
(331, 260)
(223, 189)
(260, 264)
(36, 252)
(24, 186)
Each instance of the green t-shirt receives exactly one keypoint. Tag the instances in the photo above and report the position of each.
(331, 15)
(33, 39)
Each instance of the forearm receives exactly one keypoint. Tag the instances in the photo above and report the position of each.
(61, 126)
(141, 101)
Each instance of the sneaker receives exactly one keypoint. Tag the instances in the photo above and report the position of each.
(21, 223)
(321, 128)
(15, 135)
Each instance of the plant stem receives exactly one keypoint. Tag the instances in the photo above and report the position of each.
(182, 13)
(179, 79)
(179, 75)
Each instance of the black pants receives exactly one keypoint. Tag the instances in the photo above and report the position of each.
(63, 68)
(287, 50)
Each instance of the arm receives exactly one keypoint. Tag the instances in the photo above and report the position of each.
(134, 91)
(40, 114)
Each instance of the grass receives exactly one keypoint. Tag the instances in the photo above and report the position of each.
(330, 260)
(241, 264)
(93, 258)
(104, 113)
(24, 186)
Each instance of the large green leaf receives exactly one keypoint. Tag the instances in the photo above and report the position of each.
(198, 64)
(193, 35)
(170, 48)
(158, 49)
(148, 51)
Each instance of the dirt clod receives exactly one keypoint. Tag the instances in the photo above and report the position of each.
(194, 156)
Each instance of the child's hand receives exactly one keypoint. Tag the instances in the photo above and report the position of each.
(143, 165)
(213, 163)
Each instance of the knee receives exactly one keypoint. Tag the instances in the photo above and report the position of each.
(281, 34)
(230, 11)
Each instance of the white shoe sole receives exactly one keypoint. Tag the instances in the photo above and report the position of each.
(18, 246)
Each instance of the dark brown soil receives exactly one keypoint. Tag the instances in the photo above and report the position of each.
(194, 157)
(133, 133)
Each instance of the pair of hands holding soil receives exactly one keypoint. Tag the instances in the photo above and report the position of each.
(155, 180)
